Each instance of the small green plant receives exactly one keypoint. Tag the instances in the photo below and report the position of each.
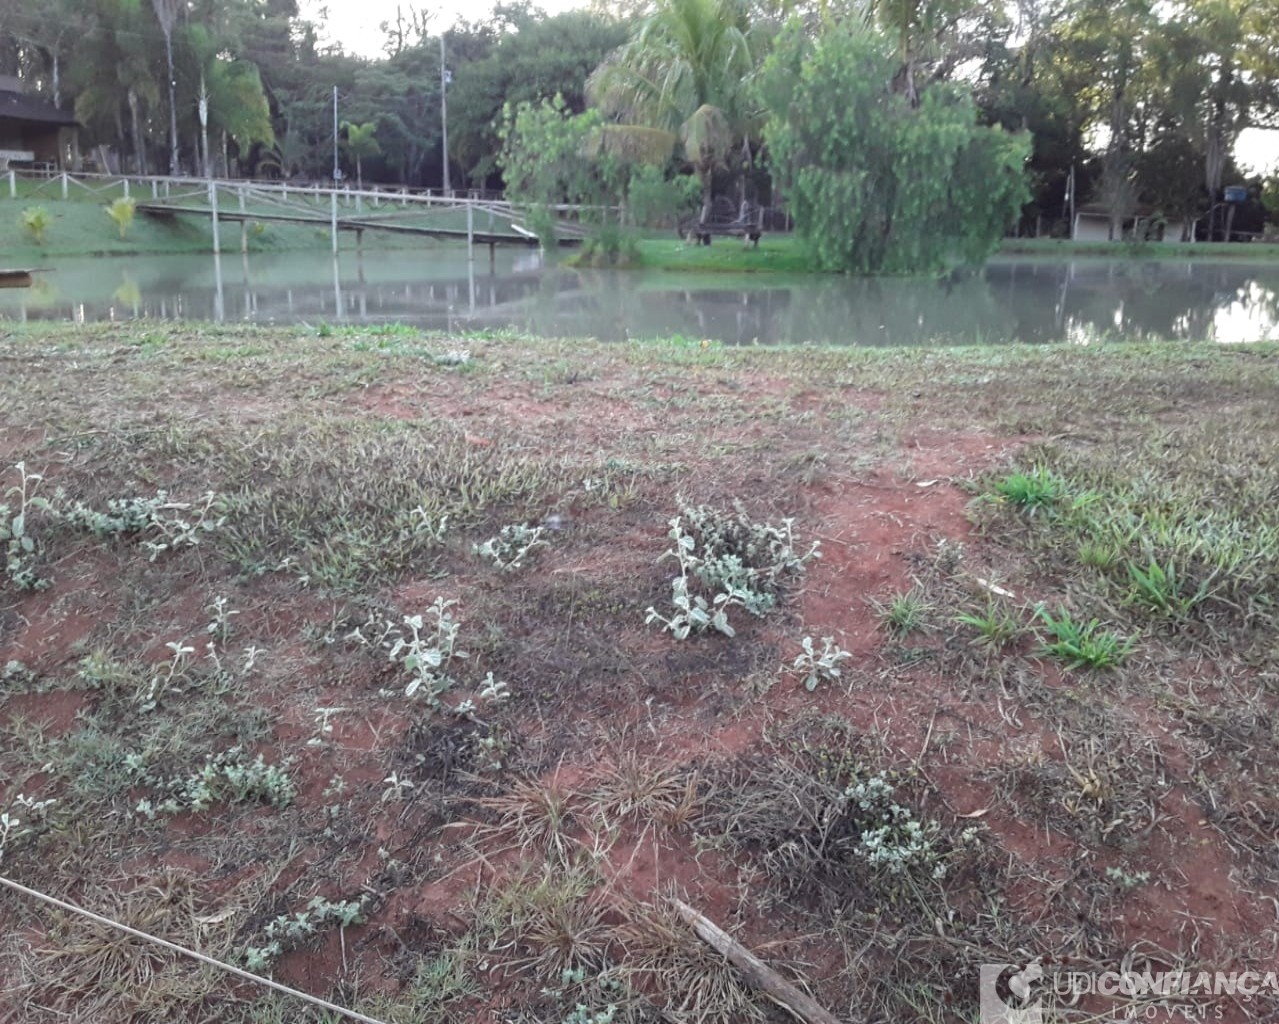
(1126, 881)
(35, 222)
(166, 679)
(817, 666)
(512, 545)
(288, 931)
(165, 525)
(1034, 491)
(904, 614)
(427, 651)
(736, 561)
(1082, 644)
(891, 838)
(35, 814)
(996, 627)
(15, 530)
(121, 212)
(419, 524)
(227, 777)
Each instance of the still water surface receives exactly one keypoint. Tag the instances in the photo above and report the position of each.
(1033, 300)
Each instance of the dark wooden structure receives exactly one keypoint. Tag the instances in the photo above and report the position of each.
(15, 278)
(32, 132)
(726, 220)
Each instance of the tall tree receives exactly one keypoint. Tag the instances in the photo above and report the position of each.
(166, 13)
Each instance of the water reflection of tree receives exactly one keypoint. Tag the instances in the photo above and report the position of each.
(826, 311)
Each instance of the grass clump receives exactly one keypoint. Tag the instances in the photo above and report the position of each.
(1082, 644)
(904, 614)
(1158, 589)
(1035, 490)
(995, 627)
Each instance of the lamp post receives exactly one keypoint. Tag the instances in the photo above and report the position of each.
(208, 168)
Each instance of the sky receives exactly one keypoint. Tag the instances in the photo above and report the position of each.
(355, 23)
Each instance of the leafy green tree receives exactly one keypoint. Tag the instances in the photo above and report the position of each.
(542, 59)
(686, 73)
(551, 156)
(875, 183)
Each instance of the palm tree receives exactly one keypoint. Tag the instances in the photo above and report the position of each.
(361, 141)
(686, 73)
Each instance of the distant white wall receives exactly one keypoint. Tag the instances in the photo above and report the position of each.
(1091, 227)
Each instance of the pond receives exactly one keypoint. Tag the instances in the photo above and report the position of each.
(1024, 299)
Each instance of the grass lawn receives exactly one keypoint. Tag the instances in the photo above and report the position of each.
(784, 253)
(374, 660)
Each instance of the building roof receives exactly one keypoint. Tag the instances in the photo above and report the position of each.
(15, 106)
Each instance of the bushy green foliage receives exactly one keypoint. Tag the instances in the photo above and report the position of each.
(20, 546)
(657, 201)
(226, 777)
(875, 184)
(552, 156)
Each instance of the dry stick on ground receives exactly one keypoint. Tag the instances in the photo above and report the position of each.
(757, 973)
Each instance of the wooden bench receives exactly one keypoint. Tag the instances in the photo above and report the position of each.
(725, 221)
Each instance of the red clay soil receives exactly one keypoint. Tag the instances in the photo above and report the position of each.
(869, 526)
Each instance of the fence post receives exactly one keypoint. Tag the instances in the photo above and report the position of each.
(470, 241)
(155, 189)
(13, 184)
(333, 228)
(64, 184)
(125, 183)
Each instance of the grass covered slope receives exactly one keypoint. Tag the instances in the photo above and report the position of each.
(422, 672)
(80, 226)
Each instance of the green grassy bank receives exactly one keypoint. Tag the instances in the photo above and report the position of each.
(79, 226)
